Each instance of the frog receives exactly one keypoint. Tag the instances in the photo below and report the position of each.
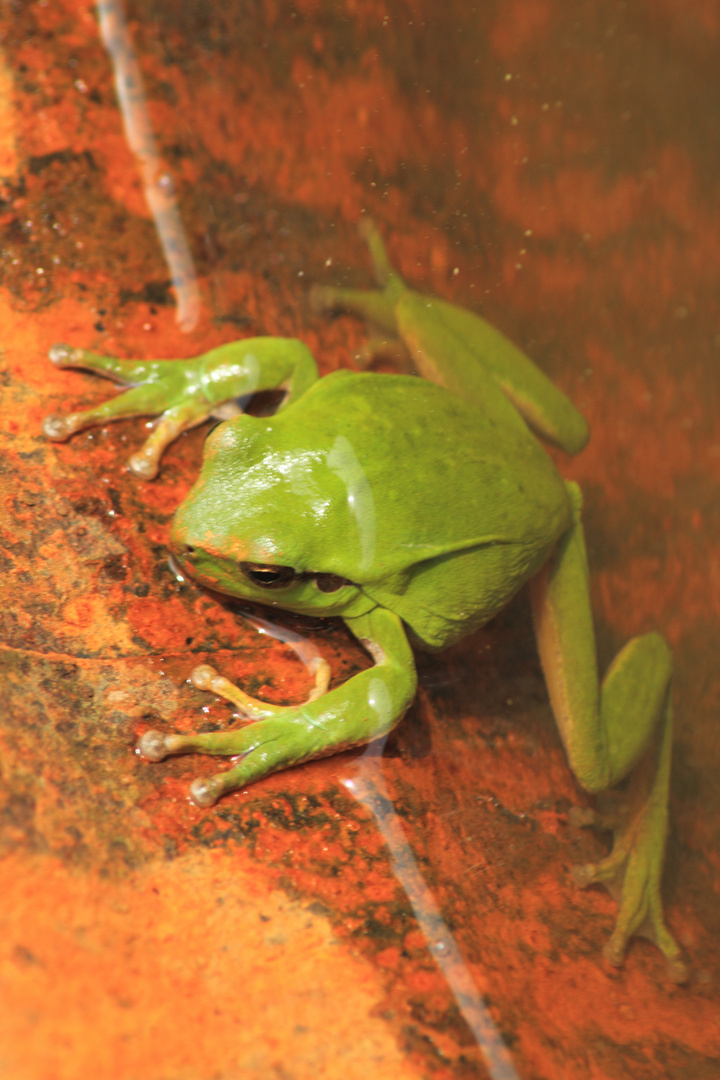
(413, 507)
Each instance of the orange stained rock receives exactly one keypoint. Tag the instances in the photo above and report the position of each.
(173, 971)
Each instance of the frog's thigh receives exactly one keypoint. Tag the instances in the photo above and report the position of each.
(370, 304)
(607, 730)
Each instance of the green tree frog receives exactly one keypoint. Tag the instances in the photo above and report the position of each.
(413, 508)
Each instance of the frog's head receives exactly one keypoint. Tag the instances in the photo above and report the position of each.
(280, 517)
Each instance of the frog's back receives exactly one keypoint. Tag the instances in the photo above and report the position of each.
(450, 483)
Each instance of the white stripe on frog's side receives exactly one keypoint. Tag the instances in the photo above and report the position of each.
(343, 461)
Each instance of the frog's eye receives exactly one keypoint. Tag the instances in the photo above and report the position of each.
(266, 575)
(330, 582)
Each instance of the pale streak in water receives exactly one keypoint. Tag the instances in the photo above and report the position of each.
(368, 787)
(301, 646)
(158, 186)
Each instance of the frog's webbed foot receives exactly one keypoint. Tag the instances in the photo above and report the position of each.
(280, 740)
(632, 875)
(354, 713)
(156, 387)
(615, 732)
(252, 740)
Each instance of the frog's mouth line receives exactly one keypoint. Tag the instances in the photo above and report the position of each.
(293, 620)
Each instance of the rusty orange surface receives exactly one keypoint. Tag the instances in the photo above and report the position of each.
(552, 166)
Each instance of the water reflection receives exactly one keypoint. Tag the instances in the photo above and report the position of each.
(306, 651)
(367, 785)
(157, 183)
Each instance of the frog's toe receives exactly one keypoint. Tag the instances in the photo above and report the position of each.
(205, 791)
(322, 298)
(583, 875)
(145, 463)
(582, 817)
(653, 928)
(614, 950)
(249, 767)
(63, 355)
(205, 677)
(202, 677)
(367, 230)
(153, 746)
(58, 428)
(634, 881)
(678, 970)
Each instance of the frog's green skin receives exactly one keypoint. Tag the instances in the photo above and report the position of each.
(407, 508)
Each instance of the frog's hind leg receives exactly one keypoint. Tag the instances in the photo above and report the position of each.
(387, 278)
(378, 307)
(369, 304)
(607, 731)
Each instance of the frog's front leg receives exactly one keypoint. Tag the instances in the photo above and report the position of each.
(607, 731)
(362, 709)
(184, 392)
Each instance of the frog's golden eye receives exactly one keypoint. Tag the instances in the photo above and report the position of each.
(268, 576)
(330, 582)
